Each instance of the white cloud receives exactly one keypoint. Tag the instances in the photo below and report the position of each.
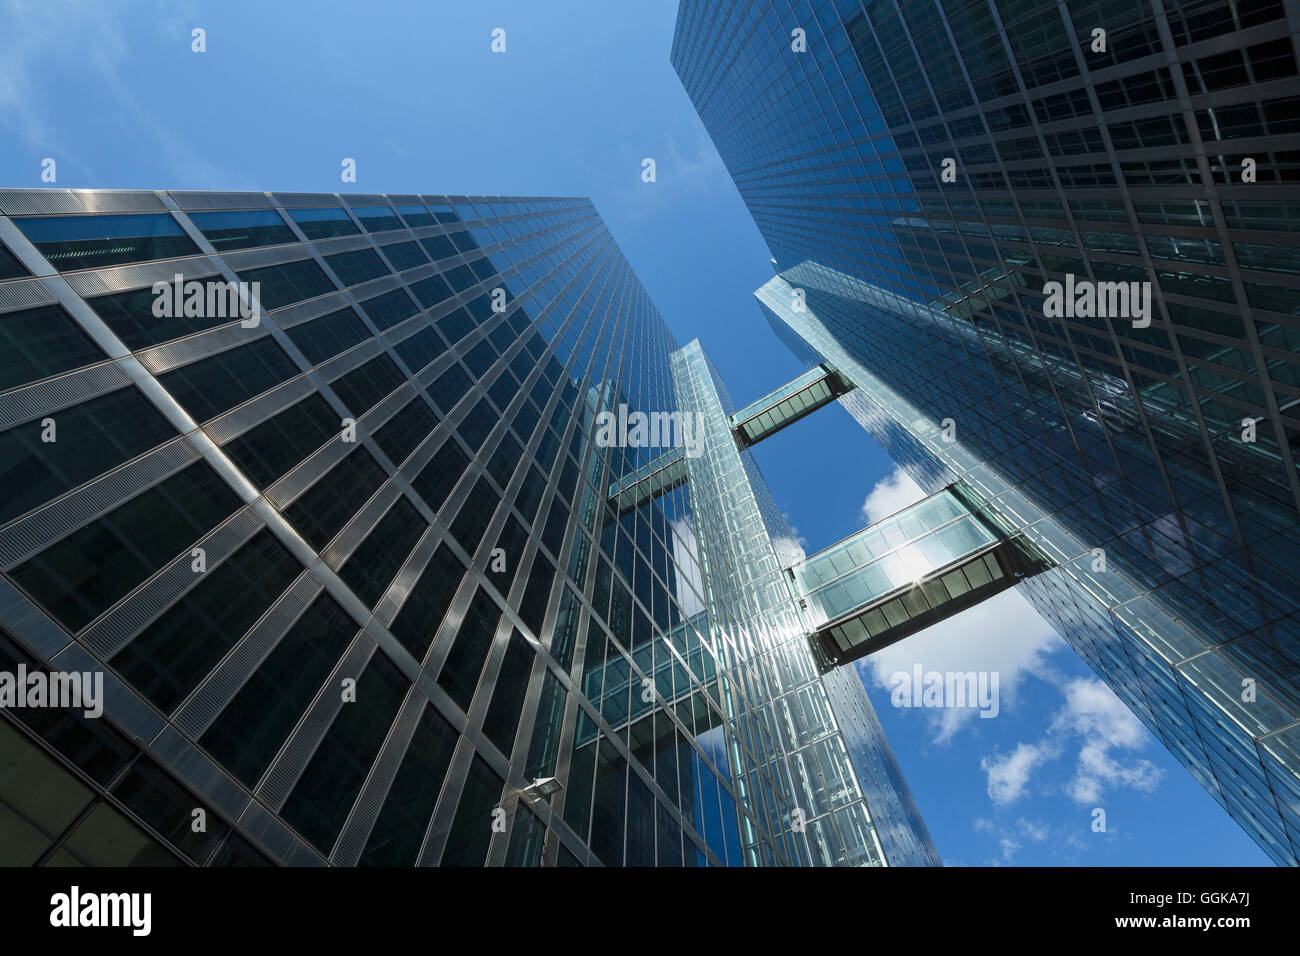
(1003, 635)
(1006, 635)
(1033, 829)
(1093, 712)
(1009, 776)
(892, 493)
(688, 175)
(1009, 847)
(1010, 839)
(1102, 727)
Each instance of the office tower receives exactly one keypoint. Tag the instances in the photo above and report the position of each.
(932, 177)
(316, 484)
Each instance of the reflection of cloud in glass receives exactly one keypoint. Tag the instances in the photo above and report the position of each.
(690, 583)
(907, 565)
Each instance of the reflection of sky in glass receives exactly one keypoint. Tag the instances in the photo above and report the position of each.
(689, 583)
(715, 811)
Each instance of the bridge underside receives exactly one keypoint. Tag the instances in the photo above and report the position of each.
(934, 598)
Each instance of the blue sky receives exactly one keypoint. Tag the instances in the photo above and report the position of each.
(411, 90)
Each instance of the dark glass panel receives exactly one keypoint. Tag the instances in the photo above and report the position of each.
(216, 384)
(90, 438)
(378, 558)
(320, 801)
(253, 727)
(323, 509)
(244, 229)
(418, 620)
(37, 343)
(86, 573)
(471, 830)
(92, 242)
(399, 831)
(266, 452)
(323, 223)
(168, 659)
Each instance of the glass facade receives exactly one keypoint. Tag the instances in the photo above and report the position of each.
(362, 583)
(923, 171)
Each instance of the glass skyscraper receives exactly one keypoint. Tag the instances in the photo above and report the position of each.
(924, 171)
(314, 482)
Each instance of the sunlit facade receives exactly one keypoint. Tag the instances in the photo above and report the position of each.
(923, 172)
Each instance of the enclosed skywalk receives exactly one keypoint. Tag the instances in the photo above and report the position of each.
(926, 563)
(796, 399)
(658, 476)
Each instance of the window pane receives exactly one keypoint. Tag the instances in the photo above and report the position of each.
(360, 265)
(90, 743)
(242, 230)
(91, 438)
(37, 343)
(475, 515)
(168, 659)
(153, 796)
(218, 383)
(10, 267)
(419, 619)
(91, 242)
(106, 838)
(86, 573)
(416, 216)
(266, 452)
(502, 720)
(362, 387)
(255, 724)
(326, 337)
(431, 291)
(471, 830)
(404, 255)
(320, 801)
(464, 663)
(420, 349)
(323, 223)
(38, 799)
(436, 480)
(321, 512)
(390, 308)
(399, 831)
(288, 282)
(130, 316)
(402, 433)
(378, 558)
(377, 218)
